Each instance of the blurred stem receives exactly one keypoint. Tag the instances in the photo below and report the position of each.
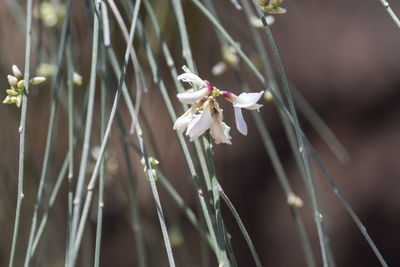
(57, 186)
(21, 130)
(92, 181)
(391, 13)
(241, 226)
(216, 202)
(180, 18)
(86, 140)
(50, 131)
(267, 140)
(346, 204)
(300, 142)
(173, 117)
(101, 179)
(320, 126)
(135, 212)
(70, 85)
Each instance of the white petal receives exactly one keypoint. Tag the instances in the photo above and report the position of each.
(220, 132)
(200, 123)
(191, 97)
(191, 78)
(182, 122)
(248, 100)
(240, 122)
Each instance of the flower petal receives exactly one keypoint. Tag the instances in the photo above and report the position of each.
(220, 132)
(248, 100)
(240, 122)
(200, 123)
(182, 122)
(191, 97)
(191, 78)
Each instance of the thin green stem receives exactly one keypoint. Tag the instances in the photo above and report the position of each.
(92, 181)
(180, 18)
(241, 226)
(216, 202)
(50, 132)
(50, 204)
(101, 181)
(291, 115)
(320, 126)
(135, 212)
(346, 204)
(181, 139)
(70, 84)
(310, 183)
(391, 13)
(86, 141)
(21, 130)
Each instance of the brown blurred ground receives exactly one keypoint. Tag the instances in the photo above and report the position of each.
(343, 56)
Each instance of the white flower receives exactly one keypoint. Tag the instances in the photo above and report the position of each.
(191, 78)
(182, 122)
(244, 100)
(220, 132)
(248, 101)
(200, 123)
(191, 97)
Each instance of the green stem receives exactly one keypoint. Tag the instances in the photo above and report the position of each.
(135, 212)
(391, 13)
(101, 182)
(181, 139)
(216, 202)
(302, 150)
(21, 131)
(50, 133)
(241, 226)
(86, 141)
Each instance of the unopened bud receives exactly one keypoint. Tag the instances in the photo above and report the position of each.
(268, 96)
(12, 80)
(37, 80)
(294, 201)
(17, 73)
(77, 79)
(276, 3)
(12, 92)
(262, 2)
(21, 84)
(274, 10)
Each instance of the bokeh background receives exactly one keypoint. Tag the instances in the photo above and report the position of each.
(341, 55)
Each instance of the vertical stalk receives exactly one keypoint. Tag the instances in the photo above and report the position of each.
(21, 130)
(86, 140)
(50, 132)
(101, 182)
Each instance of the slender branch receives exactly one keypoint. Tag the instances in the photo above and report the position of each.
(21, 130)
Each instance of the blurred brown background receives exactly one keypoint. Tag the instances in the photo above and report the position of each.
(342, 56)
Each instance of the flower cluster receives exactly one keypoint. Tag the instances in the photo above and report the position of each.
(17, 83)
(272, 6)
(205, 113)
(52, 14)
